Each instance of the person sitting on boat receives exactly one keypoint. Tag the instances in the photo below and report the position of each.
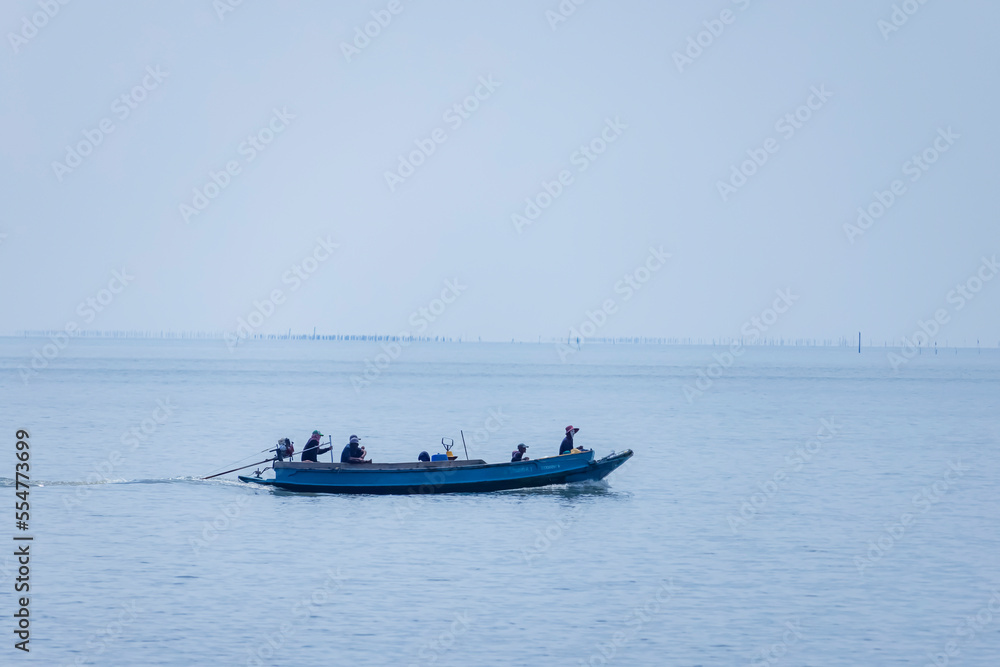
(567, 446)
(518, 454)
(424, 456)
(312, 449)
(353, 452)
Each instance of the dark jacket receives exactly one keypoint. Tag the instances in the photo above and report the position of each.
(516, 455)
(312, 450)
(567, 444)
(351, 450)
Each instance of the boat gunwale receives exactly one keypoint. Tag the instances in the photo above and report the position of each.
(424, 466)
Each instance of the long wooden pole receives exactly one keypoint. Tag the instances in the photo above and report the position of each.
(235, 469)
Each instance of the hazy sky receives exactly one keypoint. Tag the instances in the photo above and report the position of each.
(309, 129)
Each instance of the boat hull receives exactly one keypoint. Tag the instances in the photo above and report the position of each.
(440, 476)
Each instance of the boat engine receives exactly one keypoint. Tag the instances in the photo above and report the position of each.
(285, 449)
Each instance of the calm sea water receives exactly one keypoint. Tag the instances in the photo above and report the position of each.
(810, 507)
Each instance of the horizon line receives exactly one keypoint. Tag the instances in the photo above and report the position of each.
(777, 341)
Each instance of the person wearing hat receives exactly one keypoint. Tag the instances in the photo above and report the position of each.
(312, 449)
(567, 445)
(353, 452)
(518, 454)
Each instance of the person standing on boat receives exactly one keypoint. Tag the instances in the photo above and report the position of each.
(312, 449)
(353, 452)
(518, 454)
(567, 445)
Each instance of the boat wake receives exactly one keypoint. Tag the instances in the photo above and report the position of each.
(574, 490)
(7, 481)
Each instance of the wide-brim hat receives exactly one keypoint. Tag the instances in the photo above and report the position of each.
(571, 429)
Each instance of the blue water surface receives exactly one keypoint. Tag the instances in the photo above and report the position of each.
(797, 506)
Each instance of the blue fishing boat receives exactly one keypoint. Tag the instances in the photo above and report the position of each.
(448, 476)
